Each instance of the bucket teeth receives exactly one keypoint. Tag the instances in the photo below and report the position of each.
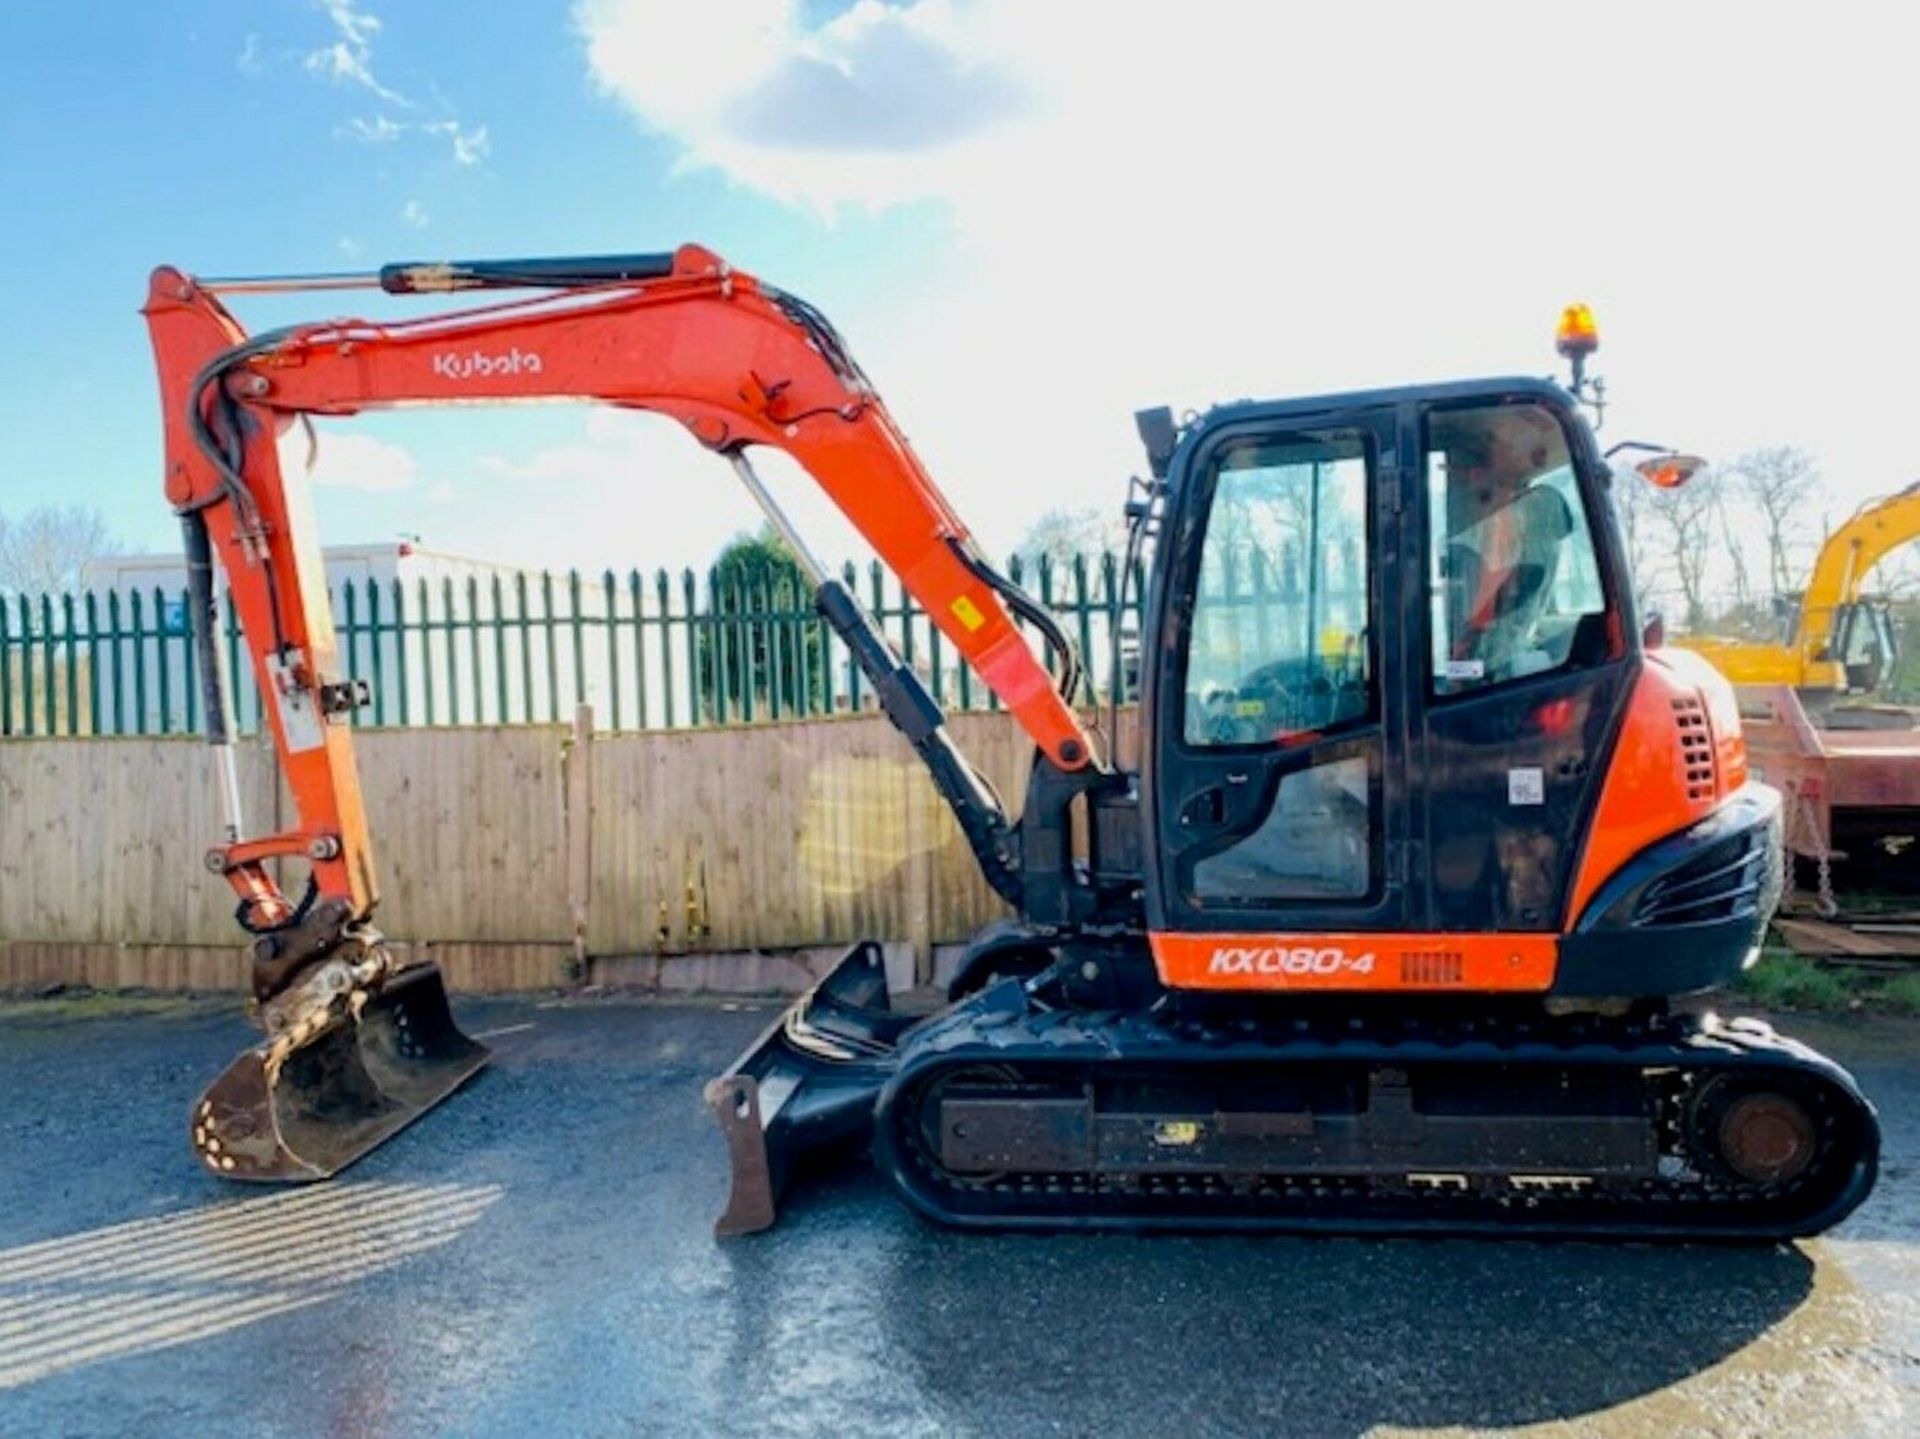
(309, 1102)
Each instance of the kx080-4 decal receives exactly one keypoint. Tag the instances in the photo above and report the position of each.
(1282, 959)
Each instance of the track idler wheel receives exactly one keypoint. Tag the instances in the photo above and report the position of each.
(1752, 1131)
(356, 1060)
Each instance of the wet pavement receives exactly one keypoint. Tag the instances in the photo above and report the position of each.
(535, 1258)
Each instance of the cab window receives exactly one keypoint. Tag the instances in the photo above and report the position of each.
(1514, 580)
(1278, 644)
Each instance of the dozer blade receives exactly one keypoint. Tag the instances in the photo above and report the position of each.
(380, 1060)
(806, 1086)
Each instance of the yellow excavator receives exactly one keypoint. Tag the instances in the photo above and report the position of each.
(1841, 641)
(1848, 767)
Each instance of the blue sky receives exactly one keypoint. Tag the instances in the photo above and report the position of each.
(196, 134)
(1028, 224)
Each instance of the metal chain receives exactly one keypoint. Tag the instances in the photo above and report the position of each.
(1788, 872)
(1806, 820)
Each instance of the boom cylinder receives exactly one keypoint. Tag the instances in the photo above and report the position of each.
(918, 716)
(203, 619)
(905, 701)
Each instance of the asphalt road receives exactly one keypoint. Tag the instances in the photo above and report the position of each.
(535, 1258)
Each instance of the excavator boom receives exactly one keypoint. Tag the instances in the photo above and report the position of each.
(1813, 659)
(739, 364)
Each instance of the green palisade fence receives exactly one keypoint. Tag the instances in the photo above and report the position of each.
(658, 651)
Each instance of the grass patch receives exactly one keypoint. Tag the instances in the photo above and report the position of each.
(1784, 980)
(1901, 994)
(1788, 981)
(84, 1003)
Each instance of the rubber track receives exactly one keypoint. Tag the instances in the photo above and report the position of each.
(998, 1029)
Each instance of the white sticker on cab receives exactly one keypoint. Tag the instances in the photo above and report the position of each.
(1527, 785)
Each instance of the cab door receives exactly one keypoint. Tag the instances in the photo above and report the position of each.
(1275, 785)
(1526, 662)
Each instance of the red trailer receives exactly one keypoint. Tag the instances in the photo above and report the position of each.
(1852, 791)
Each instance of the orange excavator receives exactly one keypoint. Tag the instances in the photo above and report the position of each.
(1386, 927)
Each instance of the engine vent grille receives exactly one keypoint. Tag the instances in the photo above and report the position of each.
(1726, 880)
(1696, 745)
(1432, 966)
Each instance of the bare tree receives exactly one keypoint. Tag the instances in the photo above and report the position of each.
(1635, 504)
(1686, 517)
(1780, 482)
(1744, 612)
(46, 549)
(1059, 535)
(1897, 577)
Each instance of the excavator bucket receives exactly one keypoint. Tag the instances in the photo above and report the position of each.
(381, 1060)
(806, 1087)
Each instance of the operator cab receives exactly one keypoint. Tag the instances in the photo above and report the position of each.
(1357, 590)
(1864, 644)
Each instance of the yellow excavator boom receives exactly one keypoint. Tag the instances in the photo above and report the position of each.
(1839, 574)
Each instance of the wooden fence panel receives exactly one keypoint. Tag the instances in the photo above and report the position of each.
(469, 830)
(783, 835)
(101, 840)
(670, 842)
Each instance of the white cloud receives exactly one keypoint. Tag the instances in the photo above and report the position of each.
(250, 61)
(842, 111)
(631, 490)
(348, 246)
(470, 143)
(357, 27)
(1217, 200)
(414, 214)
(349, 461)
(377, 130)
(349, 59)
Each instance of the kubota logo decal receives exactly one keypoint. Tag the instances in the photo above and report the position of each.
(1277, 959)
(478, 364)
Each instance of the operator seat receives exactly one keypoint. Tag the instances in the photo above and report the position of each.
(1503, 606)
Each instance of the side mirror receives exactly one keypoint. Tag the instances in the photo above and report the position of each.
(1654, 635)
(1670, 471)
(1159, 435)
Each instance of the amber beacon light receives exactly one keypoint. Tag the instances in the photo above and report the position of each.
(1577, 335)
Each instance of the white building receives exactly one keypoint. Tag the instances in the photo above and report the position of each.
(393, 560)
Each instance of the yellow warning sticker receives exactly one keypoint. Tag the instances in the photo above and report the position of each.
(968, 613)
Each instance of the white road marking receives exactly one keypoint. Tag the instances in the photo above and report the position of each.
(155, 1283)
(505, 1029)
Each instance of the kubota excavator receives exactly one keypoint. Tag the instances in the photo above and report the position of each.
(1382, 930)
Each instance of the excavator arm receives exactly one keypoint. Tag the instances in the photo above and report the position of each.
(1808, 660)
(737, 362)
(1846, 559)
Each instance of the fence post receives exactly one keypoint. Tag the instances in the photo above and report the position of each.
(639, 654)
(577, 806)
(6, 673)
(73, 663)
(453, 650)
(612, 598)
